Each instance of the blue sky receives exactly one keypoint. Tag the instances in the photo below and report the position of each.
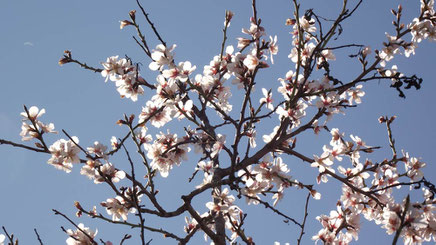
(35, 34)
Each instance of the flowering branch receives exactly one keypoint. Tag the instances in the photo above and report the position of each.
(79, 228)
(237, 162)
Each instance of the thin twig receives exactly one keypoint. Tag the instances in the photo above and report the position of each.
(151, 24)
(267, 205)
(142, 47)
(135, 196)
(85, 66)
(74, 224)
(7, 142)
(38, 237)
(345, 46)
(126, 236)
(391, 138)
(77, 144)
(10, 237)
(304, 219)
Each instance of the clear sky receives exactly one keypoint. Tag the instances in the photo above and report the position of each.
(35, 34)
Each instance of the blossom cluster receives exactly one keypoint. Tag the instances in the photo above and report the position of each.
(82, 236)
(263, 177)
(32, 127)
(166, 151)
(224, 205)
(422, 27)
(125, 75)
(64, 153)
(120, 206)
(306, 103)
(373, 198)
(101, 172)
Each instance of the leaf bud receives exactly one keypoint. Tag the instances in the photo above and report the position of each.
(290, 22)
(77, 205)
(132, 15)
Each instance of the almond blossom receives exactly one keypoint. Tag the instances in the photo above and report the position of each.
(156, 113)
(64, 153)
(98, 149)
(267, 99)
(251, 62)
(114, 68)
(273, 48)
(118, 208)
(167, 150)
(161, 56)
(108, 171)
(183, 109)
(78, 237)
(128, 86)
(255, 30)
(28, 129)
(180, 72)
(356, 94)
(413, 168)
(231, 162)
(218, 145)
(114, 143)
(295, 113)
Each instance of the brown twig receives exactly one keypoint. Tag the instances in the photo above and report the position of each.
(151, 24)
(126, 237)
(135, 196)
(304, 219)
(402, 224)
(267, 205)
(75, 225)
(7, 142)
